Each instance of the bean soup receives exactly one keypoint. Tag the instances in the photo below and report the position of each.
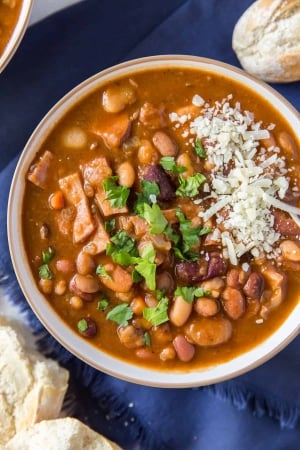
(9, 14)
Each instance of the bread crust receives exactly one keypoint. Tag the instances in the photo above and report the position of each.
(266, 40)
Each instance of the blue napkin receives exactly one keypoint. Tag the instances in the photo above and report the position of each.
(258, 410)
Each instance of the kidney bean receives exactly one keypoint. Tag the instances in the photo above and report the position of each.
(164, 144)
(206, 307)
(233, 302)
(184, 349)
(180, 311)
(207, 332)
(214, 285)
(188, 272)
(254, 286)
(156, 173)
(216, 265)
(87, 327)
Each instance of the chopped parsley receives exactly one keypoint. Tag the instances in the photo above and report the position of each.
(117, 195)
(150, 192)
(47, 256)
(110, 225)
(147, 267)
(121, 244)
(82, 325)
(100, 270)
(102, 304)
(199, 149)
(44, 272)
(168, 163)
(157, 314)
(154, 216)
(120, 314)
(189, 187)
(147, 339)
(189, 293)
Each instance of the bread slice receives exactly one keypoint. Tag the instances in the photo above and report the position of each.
(32, 388)
(266, 40)
(63, 434)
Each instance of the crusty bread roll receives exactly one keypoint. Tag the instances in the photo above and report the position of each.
(266, 40)
(32, 388)
(60, 434)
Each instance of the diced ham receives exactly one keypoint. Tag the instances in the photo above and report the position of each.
(38, 173)
(152, 116)
(72, 188)
(114, 131)
(99, 239)
(105, 206)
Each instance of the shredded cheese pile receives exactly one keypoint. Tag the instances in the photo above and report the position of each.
(246, 179)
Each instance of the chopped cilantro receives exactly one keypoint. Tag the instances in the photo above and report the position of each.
(44, 272)
(189, 293)
(147, 339)
(147, 267)
(47, 256)
(199, 149)
(168, 163)
(102, 304)
(120, 314)
(190, 235)
(121, 244)
(149, 194)
(82, 325)
(110, 225)
(117, 195)
(189, 187)
(154, 216)
(157, 314)
(100, 270)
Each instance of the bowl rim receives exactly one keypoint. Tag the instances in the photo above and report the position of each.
(70, 340)
(17, 34)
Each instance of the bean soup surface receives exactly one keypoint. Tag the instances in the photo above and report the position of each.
(161, 218)
(9, 14)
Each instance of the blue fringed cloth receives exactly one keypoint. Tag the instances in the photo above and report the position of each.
(258, 410)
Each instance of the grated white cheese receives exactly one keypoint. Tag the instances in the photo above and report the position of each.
(255, 183)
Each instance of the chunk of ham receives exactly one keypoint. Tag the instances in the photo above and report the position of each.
(39, 172)
(114, 130)
(94, 173)
(99, 239)
(72, 189)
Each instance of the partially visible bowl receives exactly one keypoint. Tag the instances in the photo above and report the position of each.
(252, 357)
(16, 29)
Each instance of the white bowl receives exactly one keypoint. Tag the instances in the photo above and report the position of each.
(69, 339)
(17, 34)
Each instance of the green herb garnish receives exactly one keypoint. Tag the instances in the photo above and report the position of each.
(150, 192)
(154, 216)
(100, 270)
(189, 293)
(158, 314)
(147, 339)
(189, 187)
(147, 267)
(168, 163)
(47, 256)
(121, 243)
(199, 149)
(110, 225)
(102, 304)
(120, 314)
(117, 195)
(82, 325)
(44, 272)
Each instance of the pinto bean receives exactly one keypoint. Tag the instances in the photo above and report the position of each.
(209, 331)
(214, 285)
(233, 302)
(180, 311)
(46, 285)
(147, 154)
(164, 144)
(287, 143)
(65, 266)
(126, 174)
(167, 353)
(236, 278)
(116, 97)
(290, 250)
(85, 263)
(285, 225)
(119, 279)
(131, 337)
(184, 160)
(254, 286)
(87, 283)
(156, 173)
(87, 297)
(145, 353)
(60, 287)
(206, 307)
(184, 349)
(165, 281)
